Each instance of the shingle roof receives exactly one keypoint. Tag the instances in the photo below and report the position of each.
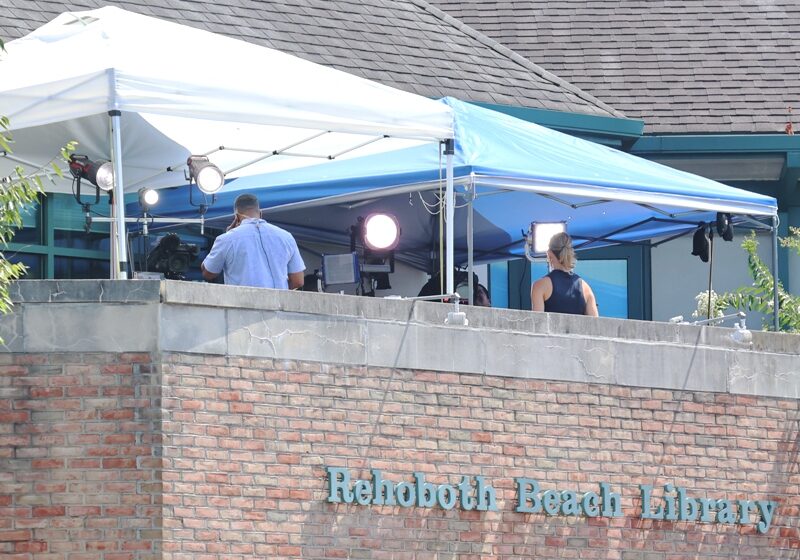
(680, 65)
(407, 44)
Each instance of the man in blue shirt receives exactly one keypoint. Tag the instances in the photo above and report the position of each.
(255, 253)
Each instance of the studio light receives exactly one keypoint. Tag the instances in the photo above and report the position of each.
(700, 243)
(340, 269)
(100, 173)
(537, 242)
(373, 240)
(724, 226)
(543, 232)
(207, 176)
(147, 198)
(381, 232)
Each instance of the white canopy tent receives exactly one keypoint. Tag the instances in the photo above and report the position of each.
(146, 94)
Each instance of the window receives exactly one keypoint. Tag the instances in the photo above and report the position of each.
(53, 242)
(608, 279)
(31, 231)
(78, 268)
(69, 225)
(33, 262)
(619, 276)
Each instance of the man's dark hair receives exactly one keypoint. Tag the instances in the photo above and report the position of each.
(246, 203)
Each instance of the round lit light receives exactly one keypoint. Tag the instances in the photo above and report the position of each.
(147, 198)
(381, 232)
(210, 179)
(104, 176)
(150, 197)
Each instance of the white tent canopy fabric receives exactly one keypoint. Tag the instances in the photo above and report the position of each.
(147, 93)
(195, 90)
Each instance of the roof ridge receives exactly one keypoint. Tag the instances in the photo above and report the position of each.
(516, 57)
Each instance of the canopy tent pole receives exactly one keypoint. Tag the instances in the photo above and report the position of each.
(113, 262)
(119, 268)
(775, 304)
(470, 226)
(450, 205)
(710, 269)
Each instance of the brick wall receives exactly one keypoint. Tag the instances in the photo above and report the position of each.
(79, 457)
(176, 451)
(246, 442)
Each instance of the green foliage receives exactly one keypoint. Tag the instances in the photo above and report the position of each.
(759, 296)
(793, 241)
(18, 190)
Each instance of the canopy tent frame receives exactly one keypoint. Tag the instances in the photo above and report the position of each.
(610, 240)
(119, 256)
(119, 263)
(670, 214)
(450, 209)
(182, 164)
(757, 224)
(266, 154)
(540, 186)
(542, 175)
(471, 184)
(160, 108)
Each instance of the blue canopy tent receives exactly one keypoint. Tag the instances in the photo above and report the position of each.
(513, 172)
(595, 189)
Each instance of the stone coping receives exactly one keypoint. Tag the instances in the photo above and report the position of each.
(207, 319)
(383, 309)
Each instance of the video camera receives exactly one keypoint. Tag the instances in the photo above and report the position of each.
(172, 257)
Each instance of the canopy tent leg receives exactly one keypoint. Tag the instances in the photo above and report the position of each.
(119, 267)
(470, 246)
(113, 264)
(775, 304)
(450, 206)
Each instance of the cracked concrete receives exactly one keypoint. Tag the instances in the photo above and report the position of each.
(285, 335)
(152, 316)
(11, 333)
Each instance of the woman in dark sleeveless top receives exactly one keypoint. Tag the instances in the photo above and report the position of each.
(562, 291)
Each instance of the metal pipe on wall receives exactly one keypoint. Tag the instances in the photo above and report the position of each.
(470, 245)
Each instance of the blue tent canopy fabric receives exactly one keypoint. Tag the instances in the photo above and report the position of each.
(515, 173)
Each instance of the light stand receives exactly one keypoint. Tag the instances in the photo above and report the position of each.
(146, 201)
(710, 267)
(202, 208)
(537, 240)
(152, 219)
(454, 318)
(741, 335)
(703, 245)
(374, 239)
